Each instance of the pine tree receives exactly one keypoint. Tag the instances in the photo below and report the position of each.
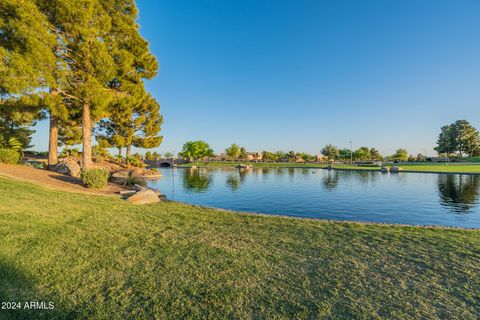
(27, 61)
(70, 131)
(138, 126)
(134, 118)
(87, 65)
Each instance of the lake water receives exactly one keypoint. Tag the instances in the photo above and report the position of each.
(407, 198)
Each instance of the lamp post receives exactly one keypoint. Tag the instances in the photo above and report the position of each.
(351, 153)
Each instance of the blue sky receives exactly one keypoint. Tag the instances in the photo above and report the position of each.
(296, 75)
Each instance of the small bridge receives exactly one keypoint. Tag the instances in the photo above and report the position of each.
(164, 162)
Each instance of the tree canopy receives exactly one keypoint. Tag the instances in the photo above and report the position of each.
(400, 155)
(83, 57)
(196, 150)
(330, 151)
(459, 137)
(233, 152)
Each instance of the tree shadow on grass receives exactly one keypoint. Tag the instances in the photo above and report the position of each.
(68, 179)
(20, 299)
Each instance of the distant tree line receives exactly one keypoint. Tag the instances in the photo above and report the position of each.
(197, 150)
(332, 153)
(82, 64)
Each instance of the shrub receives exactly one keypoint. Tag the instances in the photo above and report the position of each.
(131, 180)
(100, 152)
(73, 152)
(134, 161)
(95, 178)
(9, 156)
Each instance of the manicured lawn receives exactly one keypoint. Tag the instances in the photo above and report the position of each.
(442, 167)
(100, 258)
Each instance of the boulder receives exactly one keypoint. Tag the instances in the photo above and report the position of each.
(384, 169)
(395, 169)
(121, 174)
(138, 172)
(127, 192)
(244, 166)
(68, 167)
(144, 197)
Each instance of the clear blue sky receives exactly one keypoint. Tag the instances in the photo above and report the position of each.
(296, 75)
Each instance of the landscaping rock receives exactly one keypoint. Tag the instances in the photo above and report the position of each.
(120, 174)
(144, 197)
(139, 187)
(384, 169)
(395, 169)
(68, 167)
(244, 166)
(138, 172)
(127, 192)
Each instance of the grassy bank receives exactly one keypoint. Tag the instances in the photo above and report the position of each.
(442, 167)
(421, 167)
(101, 258)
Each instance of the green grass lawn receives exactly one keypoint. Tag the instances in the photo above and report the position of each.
(442, 167)
(101, 258)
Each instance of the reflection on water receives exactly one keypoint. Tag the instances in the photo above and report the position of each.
(330, 181)
(198, 180)
(233, 181)
(411, 198)
(459, 192)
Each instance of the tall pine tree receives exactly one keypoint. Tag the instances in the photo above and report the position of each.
(27, 64)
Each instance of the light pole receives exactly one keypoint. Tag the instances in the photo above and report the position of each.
(351, 152)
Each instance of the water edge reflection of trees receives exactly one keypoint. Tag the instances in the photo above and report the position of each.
(198, 180)
(330, 181)
(233, 181)
(459, 193)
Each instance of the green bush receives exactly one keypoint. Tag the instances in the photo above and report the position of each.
(95, 178)
(9, 156)
(135, 161)
(100, 152)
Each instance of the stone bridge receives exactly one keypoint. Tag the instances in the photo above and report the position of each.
(164, 162)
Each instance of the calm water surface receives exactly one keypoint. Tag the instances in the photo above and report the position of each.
(409, 198)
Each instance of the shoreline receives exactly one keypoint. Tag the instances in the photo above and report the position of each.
(333, 168)
(325, 220)
(251, 213)
(168, 250)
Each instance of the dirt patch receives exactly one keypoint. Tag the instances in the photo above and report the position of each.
(55, 180)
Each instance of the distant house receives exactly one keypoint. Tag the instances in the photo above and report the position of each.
(299, 159)
(420, 157)
(254, 156)
(320, 158)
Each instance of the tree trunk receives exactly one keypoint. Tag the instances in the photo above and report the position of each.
(87, 137)
(128, 152)
(127, 155)
(66, 151)
(120, 152)
(53, 141)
